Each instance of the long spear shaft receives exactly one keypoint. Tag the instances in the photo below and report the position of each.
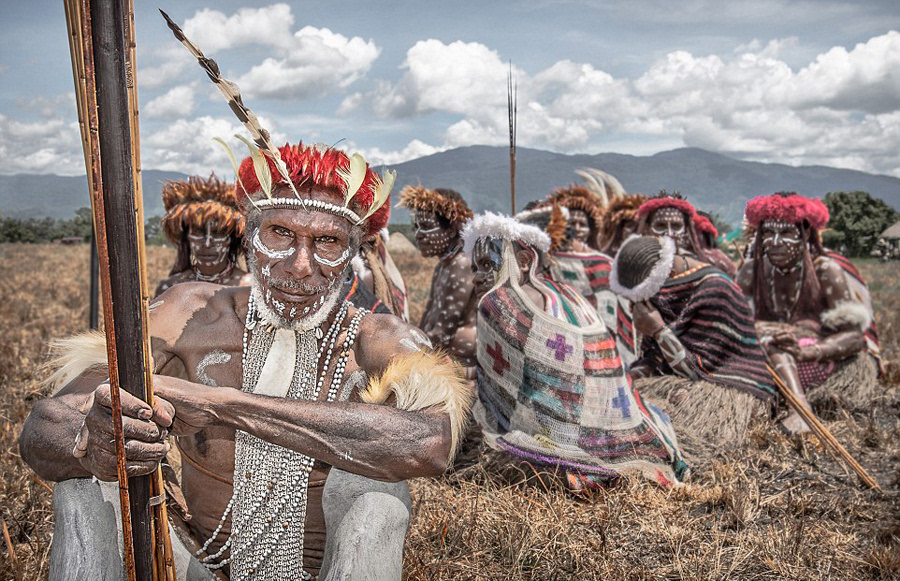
(512, 105)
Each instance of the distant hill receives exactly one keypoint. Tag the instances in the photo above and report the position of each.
(713, 182)
(39, 196)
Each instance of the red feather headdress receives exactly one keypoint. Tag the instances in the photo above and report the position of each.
(324, 167)
(666, 201)
(789, 207)
(705, 226)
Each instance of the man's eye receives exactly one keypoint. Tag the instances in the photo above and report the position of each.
(326, 239)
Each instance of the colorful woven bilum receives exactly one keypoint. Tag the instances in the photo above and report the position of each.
(588, 272)
(557, 395)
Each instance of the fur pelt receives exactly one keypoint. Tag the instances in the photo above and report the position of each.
(72, 356)
(450, 206)
(852, 387)
(422, 380)
(650, 286)
(491, 225)
(847, 313)
(708, 418)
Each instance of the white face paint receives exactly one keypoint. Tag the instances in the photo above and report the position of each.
(332, 263)
(206, 249)
(265, 250)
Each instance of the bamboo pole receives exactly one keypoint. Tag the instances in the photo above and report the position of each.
(821, 432)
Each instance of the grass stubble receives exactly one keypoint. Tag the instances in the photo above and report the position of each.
(781, 508)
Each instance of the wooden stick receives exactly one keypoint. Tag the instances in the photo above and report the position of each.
(12, 552)
(821, 432)
(512, 105)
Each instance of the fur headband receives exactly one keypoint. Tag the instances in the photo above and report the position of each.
(490, 225)
(197, 202)
(420, 198)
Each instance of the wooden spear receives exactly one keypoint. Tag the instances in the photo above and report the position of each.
(821, 432)
(103, 67)
(512, 106)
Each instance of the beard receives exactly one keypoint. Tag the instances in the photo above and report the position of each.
(277, 314)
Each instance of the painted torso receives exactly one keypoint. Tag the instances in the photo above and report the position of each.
(449, 316)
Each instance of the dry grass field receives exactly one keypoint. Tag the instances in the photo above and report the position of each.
(782, 508)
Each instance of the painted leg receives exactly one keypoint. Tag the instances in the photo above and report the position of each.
(786, 367)
(87, 536)
(365, 525)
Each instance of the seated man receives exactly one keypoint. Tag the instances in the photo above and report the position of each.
(586, 269)
(266, 389)
(376, 270)
(552, 388)
(204, 223)
(700, 360)
(671, 215)
(813, 312)
(449, 316)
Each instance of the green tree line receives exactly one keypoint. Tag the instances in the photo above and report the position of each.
(42, 230)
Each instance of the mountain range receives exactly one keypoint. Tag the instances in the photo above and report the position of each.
(712, 182)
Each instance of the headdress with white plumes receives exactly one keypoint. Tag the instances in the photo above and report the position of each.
(605, 186)
(352, 176)
(491, 225)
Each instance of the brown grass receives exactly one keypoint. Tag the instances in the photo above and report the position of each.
(781, 508)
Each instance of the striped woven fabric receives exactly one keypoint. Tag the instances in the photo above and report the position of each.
(588, 273)
(556, 394)
(714, 322)
(860, 292)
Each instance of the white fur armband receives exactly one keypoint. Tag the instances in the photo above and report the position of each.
(847, 313)
(423, 380)
(72, 356)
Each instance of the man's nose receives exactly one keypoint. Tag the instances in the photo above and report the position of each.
(208, 240)
(299, 264)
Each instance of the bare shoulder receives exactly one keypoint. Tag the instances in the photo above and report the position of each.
(192, 302)
(383, 337)
(828, 270)
(744, 277)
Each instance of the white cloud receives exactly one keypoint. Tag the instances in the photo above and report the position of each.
(51, 146)
(176, 103)
(213, 31)
(413, 150)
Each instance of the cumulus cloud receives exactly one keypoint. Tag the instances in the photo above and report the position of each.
(843, 108)
(413, 150)
(50, 146)
(176, 103)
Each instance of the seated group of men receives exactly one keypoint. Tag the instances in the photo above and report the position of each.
(601, 336)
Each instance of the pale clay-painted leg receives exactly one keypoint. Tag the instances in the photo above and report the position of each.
(365, 524)
(88, 525)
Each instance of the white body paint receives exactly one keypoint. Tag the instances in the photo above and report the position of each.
(217, 357)
(273, 254)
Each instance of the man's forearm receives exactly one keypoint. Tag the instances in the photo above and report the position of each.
(375, 441)
(840, 346)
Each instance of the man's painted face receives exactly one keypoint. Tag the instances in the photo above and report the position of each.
(782, 243)
(487, 258)
(299, 259)
(432, 238)
(208, 247)
(670, 222)
(578, 227)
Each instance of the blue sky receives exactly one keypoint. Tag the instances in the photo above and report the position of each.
(790, 82)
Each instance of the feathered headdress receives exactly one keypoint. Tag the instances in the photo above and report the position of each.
(197, 202)
(491, 225)
(362, 189)
(666, 200)
(621, 210)
(705, 226)
(603, 185)
(551, 218)
(788, 206)
(443, 202)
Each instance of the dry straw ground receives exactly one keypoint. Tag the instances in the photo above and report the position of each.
(782, 508)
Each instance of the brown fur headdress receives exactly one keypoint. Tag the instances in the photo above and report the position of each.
(551, 218)
(443, 202)
(197, 202)
(621, 210)
(577, 197)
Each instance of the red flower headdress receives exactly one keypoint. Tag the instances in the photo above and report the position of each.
(705, 226)
(789, 207)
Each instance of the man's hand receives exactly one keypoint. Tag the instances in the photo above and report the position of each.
(193, 404)
(786, 341)
(145, 430)
(647, 319)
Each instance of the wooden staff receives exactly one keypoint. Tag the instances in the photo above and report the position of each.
(821, 432)
(512, 106)
(107, 106)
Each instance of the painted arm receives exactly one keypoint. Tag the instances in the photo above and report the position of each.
(649, 322)
(453, 302)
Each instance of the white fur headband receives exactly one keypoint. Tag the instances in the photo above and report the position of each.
(658, 274)
(491, 225)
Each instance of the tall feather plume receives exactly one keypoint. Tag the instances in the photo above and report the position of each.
(233, 96)
(613, 186)
(234, 164)
(385, 185)
(260, 167)
(353, 176)
(595, 185)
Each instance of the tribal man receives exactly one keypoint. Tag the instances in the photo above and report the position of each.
(552, 388)
(375, 269)
(813, 311)
(579, 264)
(204, 223)
(449, 317)
(266, 389)
(707, 234)
(700, 359)
(619, 222)
(671, 215)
